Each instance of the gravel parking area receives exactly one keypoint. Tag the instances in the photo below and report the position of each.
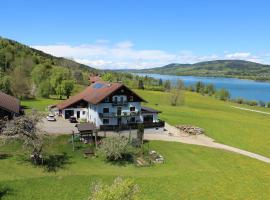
(60, 126)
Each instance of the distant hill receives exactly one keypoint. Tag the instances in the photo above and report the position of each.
(218, 68)
(11, 52)
(27, 73)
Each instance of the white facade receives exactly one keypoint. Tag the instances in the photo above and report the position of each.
(118, 112)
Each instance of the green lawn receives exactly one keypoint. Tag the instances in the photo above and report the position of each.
(190, 172)
(239, 128)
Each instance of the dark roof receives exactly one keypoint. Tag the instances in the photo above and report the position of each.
(9, 103)
(95, 93)
(149, 110)
(86, 127)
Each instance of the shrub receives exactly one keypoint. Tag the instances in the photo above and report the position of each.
(239, 100)
(120, 190)
(223, 94)
(262, 104)
(116, 148)
(251, 103)
(268, 104)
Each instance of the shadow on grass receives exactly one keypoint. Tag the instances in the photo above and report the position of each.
(4, 156)
(127, 159)
(55, 162)
(4, 191)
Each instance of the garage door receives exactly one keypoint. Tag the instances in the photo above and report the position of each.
(69, 113)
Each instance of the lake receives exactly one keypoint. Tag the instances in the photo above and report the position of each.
(247, 89)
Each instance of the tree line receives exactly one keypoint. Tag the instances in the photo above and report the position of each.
(27, 73)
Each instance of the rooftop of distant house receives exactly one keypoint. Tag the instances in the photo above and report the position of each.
(9, 103)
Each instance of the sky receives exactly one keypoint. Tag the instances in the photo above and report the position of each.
(116, 34)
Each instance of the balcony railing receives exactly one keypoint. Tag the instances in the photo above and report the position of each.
(122, 114)
(120, 103)
(159, 124)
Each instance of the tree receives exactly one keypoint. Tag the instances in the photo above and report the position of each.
(210, 89)
(67, 87)
(25, 129)
(45, 89)
(140, 134)
(141, 85)
(223, 94)
(5, 83)
(114, 148)
(58, 76)
(20, 83)
(199, 87)
(167, 85)
(119, 190)
(107, 77)
(160, 82)
(177, 94)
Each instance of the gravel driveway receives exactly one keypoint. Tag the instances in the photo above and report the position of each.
(60, 126)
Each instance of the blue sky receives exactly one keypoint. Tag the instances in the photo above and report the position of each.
(141, 34)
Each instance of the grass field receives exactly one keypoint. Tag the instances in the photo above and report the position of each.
(239, 128)
(190, 172)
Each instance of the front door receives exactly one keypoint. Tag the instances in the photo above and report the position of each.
(119, 121)
(78, 114)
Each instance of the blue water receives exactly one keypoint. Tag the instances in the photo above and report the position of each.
(247, 89)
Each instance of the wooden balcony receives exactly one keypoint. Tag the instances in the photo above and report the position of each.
(159, 124)
(122, 114)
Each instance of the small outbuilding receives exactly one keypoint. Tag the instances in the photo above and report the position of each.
(9, 106)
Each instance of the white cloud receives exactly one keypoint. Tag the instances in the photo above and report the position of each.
(242, 56)
(104, 54)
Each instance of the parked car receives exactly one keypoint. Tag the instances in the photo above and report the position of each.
(72, 119)
(51, 118)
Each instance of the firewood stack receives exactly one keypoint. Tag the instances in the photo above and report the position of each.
(191, 130)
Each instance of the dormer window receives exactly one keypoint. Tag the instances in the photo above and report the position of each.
(107, 99)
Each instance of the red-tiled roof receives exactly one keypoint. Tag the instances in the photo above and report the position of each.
(94, 93)
(9, 103)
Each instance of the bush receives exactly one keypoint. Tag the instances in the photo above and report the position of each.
(268, 104)
(116, 148)
(239, 100)
(251, 103)
(120, 190)
(262, 104)
(223, 94)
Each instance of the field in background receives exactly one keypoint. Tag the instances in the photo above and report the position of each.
(239, 128)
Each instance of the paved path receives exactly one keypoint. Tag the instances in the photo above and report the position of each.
(257, 111)
(173, 134)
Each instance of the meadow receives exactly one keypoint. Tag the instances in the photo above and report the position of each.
(239, 128)
(189, 172)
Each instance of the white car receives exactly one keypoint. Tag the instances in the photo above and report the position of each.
(51, 118)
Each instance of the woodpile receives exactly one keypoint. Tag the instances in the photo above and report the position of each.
(191, 130)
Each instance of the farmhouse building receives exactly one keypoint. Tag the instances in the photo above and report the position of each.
(9, 106)
(108, 106)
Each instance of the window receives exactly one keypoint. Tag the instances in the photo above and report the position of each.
(106, 110)
(132, 109)
(107, 99)
(121, 99)
(114, 99)
(83, 112)
(131, 98)
(106, 121)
